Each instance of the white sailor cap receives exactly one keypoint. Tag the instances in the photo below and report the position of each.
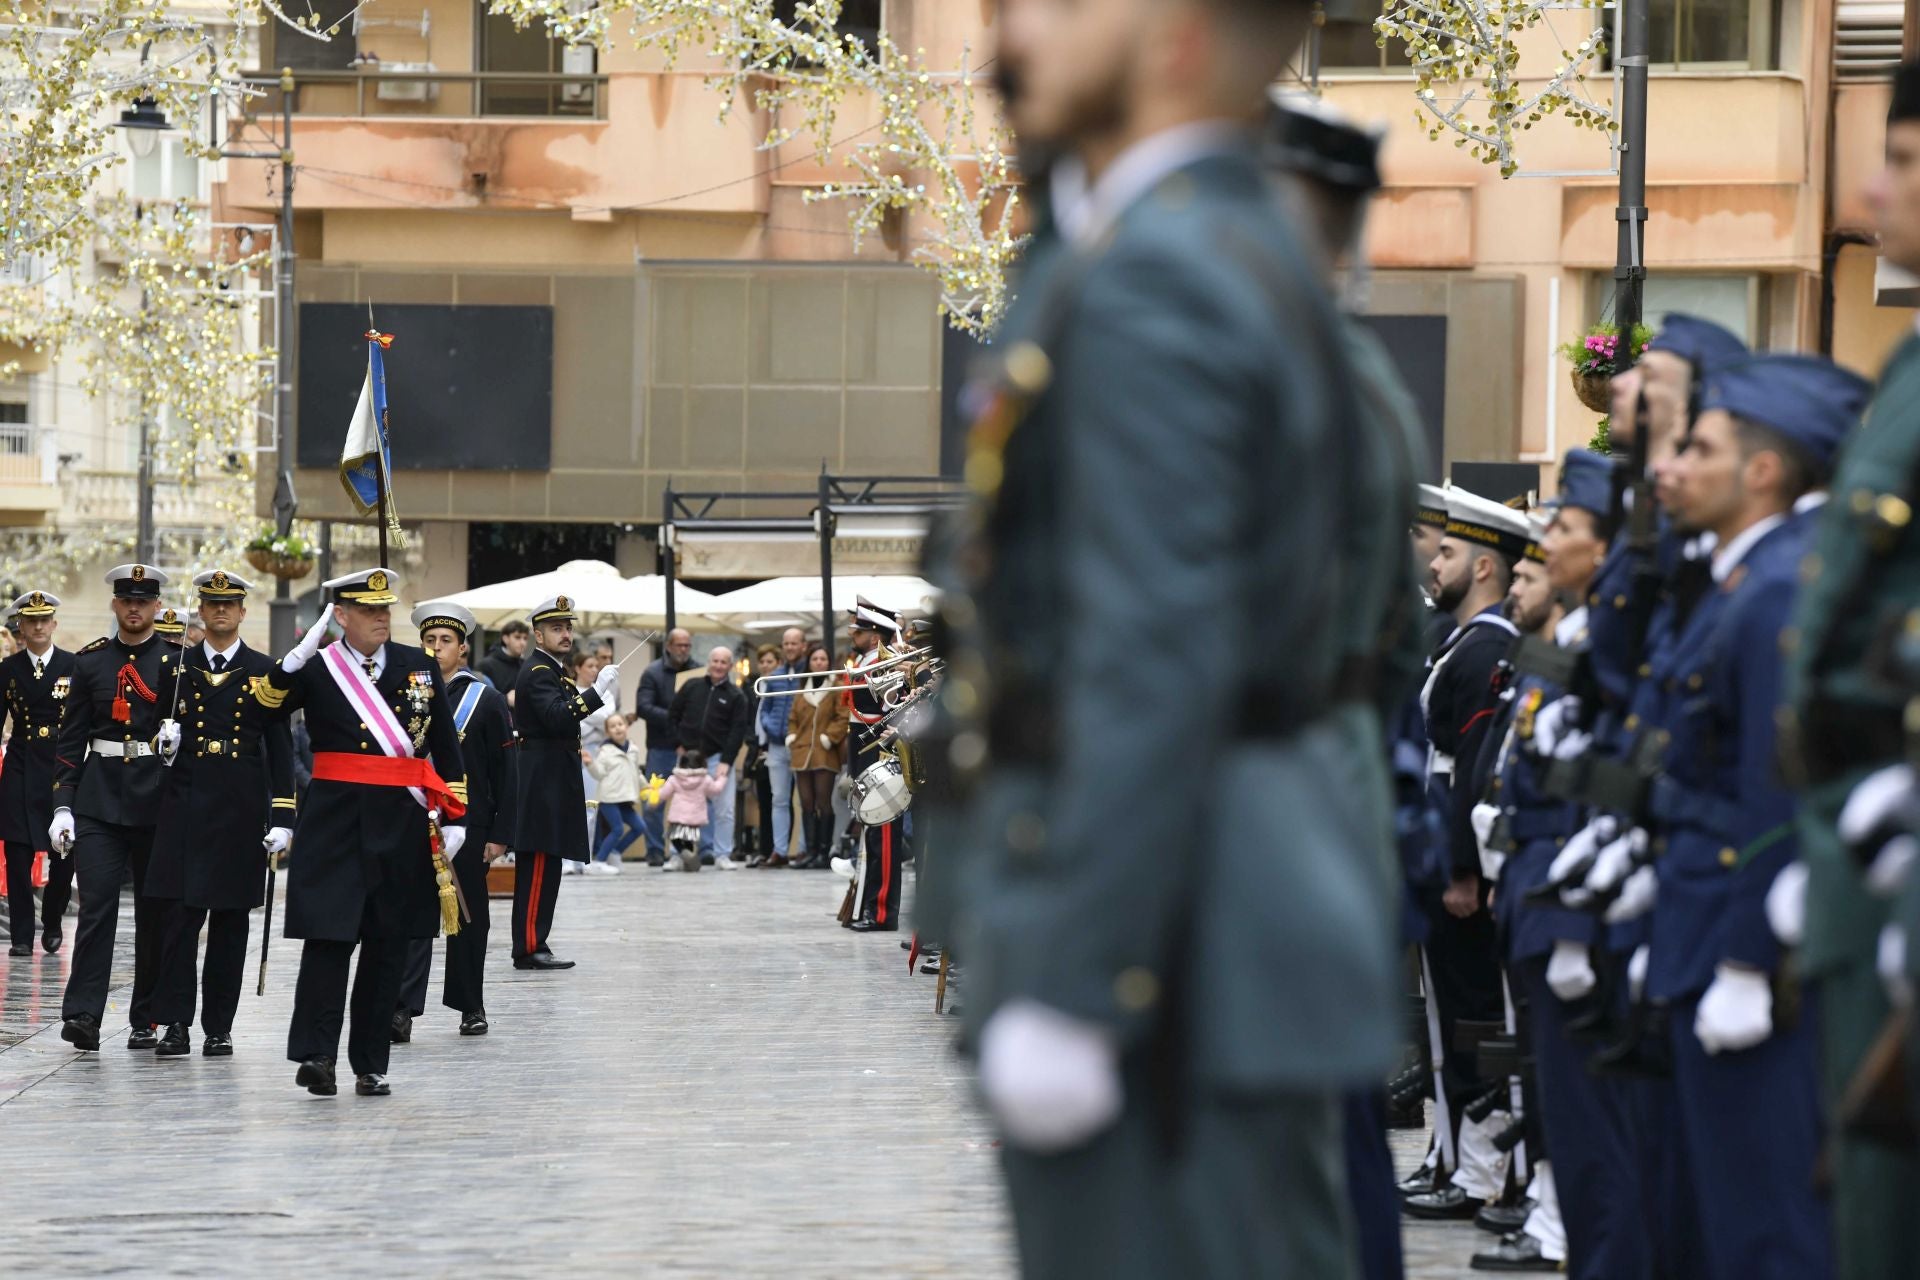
(218, 584)
(553, 609)
(135, 581)
(1536, 533)
(444, 613)
(36, 604)
(1431, 506)
(1486, 523)
(868, 616)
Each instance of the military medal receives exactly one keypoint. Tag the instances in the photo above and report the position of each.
(61, 686)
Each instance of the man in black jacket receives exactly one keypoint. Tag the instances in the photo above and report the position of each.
(550, 797)
(653, 705)
(35, 679)
(710, 716)
(502, 663)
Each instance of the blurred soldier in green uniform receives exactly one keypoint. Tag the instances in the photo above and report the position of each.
(1173, 900)
(1862, 585)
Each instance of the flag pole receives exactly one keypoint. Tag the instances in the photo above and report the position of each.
(380, 461)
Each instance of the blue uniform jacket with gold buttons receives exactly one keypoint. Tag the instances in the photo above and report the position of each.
(124, 789)
(33, 707)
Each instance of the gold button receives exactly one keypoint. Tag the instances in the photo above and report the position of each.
(1619, 602)
(1593, 598)
(1028, 368)
(214, 746)
(363, 746)
(1862, 500)
(1694, 681)
(1893, 511)
(1496, 784)
(1136, 989)
(1646, 669)
(1559, 842)
(1810, 567)
(1633, 722)
(1728, 857)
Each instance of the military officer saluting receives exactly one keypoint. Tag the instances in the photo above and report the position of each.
(388, 786)
(485, 726)
(550, 797)
(228, 807)
(107, 781)
(37, 679)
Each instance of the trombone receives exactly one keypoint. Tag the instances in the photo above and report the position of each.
(894, 674)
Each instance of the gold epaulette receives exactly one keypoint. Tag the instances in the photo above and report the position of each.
(265, 694)
(101, 643)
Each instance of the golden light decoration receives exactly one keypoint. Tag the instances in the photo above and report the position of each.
(1466, 64)
(938, 161)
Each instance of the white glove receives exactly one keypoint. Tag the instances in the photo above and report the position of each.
(607, 683)
(452, 840)
(1886, 796)
(1617, 861)
(1482, 818)
(1572, 745)
(1787, 904)
(1570, 970)
(791, 737)
(1553, 723)
(60, 831)
(1636, 898)
(826, 743)
(167, 741)
(1736, 1012)
(1585, 844)
(1887, 874)
(1892, 963)
(1053, 1082)
(308, 646)
(1637, 971)
(278, 838)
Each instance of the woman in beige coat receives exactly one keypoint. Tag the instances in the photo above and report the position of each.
(816, 736)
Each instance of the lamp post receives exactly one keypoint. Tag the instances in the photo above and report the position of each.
(144, 121)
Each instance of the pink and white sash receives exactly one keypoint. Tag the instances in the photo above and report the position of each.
(344, 666)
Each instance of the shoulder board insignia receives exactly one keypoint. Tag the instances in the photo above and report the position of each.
(265, 694)
(101, 643)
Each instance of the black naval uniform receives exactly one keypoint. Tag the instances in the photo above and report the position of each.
(886, 845)
(108, 772)
(360, 873)
(232, 780)
(485, 746)
(33, 703)
(550, 798)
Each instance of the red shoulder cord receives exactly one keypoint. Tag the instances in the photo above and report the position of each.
(128, 681)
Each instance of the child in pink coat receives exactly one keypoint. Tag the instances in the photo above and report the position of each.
(685, 795)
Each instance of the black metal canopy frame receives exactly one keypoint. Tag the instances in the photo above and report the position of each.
(835, 496)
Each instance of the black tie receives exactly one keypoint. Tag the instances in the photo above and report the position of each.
(219, 663)
(368, 664)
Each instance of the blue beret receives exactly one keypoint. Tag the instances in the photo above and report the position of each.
(1586, 482)
(1701, 343)
(1810, 400)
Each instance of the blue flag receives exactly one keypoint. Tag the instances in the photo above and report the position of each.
(366, 461)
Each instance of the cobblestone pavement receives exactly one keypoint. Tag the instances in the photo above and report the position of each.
(727, 1085)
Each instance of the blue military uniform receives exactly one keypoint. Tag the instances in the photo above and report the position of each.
(1750, 1116)
(35, 689)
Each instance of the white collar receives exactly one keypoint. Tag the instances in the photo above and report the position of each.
(39, 660)
(1086, 211)
(359, 659)
(226, 653)
(1567, 632)
(1728, 558)
(1811, 501)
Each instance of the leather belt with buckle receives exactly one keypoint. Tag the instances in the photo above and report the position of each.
(130, 748)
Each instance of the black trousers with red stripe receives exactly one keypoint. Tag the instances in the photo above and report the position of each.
(536, 887)
(886, 858)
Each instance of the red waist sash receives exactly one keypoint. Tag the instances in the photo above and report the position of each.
(388, 771)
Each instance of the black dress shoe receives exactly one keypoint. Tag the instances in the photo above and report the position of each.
(542, 960)
(1515, 1252)
(20, 949)
(1446, 1204)
(1503, 1219)
(656, 859)
(316, 1075)
(176, 1043)
(474, 1024)
(217, 1047)
(906, 944)
(402, 1032)
(868, 925)
(372, 1085)
(82, 1031)
(50, 940)
(1417, 1183)
(143, 1038)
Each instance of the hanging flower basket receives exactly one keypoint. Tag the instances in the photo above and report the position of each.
(1593, 390)
(289, 557)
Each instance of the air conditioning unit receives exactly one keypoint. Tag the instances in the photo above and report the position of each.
(392, 90)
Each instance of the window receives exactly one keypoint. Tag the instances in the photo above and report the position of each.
(1739, 303)
(304, 53)
(531, 49)
(1348, 42)
(858, 18)
(1710, 33)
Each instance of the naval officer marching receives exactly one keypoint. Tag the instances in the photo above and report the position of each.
(364, 871)
(36, 679)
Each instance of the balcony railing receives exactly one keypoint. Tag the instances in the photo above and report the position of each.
(421, 92)
(113, 497)
(28, 454)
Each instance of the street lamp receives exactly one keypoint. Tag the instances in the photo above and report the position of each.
(144, 122)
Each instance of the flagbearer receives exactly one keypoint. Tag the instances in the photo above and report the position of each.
(228, 807)
(363, 872)
(36, 678)
(486, 732)
(107, 779)
(550, 799)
